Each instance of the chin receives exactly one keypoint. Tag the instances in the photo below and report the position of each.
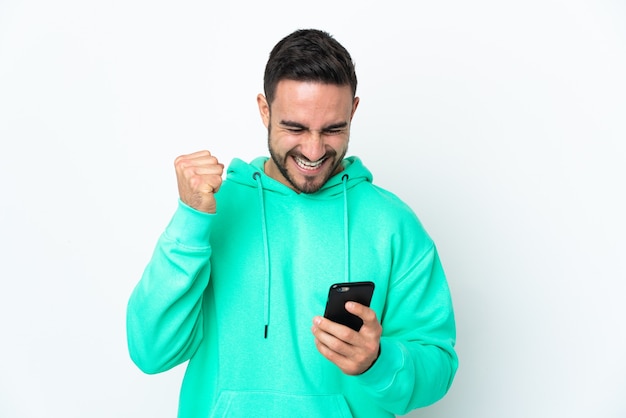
(312, 185)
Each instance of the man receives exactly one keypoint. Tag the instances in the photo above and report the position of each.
(240, 276)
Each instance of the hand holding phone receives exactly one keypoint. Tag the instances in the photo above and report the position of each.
(339, 294)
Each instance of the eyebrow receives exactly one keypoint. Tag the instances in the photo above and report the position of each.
(298, 125)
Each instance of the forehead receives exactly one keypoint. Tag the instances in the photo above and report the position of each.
(312, 100)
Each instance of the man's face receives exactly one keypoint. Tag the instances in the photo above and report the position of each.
(308, 127)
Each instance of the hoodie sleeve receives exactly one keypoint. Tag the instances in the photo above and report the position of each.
(164, 313)
(417, 362)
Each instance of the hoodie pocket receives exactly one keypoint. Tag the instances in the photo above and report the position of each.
(234, 404)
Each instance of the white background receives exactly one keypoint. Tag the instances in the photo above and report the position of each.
(501, 123)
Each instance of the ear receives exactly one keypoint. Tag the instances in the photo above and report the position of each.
(264, 109)
(355, 104)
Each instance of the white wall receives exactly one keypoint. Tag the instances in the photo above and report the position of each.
(502, 123)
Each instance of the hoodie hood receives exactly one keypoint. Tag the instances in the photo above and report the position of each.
(244, 173)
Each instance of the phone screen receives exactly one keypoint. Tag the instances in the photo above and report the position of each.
(339, 294)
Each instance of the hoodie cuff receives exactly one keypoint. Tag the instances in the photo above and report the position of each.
(385, 369)
(190, 227)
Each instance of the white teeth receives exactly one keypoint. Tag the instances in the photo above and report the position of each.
(309, 165)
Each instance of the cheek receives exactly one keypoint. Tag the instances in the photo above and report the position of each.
(282, 143)
(287, 140)
(339, 142)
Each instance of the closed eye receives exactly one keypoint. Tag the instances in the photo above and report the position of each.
(336, 129)
(297, 128)
(333, 131)
(292, 127)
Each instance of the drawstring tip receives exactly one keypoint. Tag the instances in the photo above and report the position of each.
(265, 331)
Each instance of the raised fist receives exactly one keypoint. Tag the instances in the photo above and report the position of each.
(199, 177)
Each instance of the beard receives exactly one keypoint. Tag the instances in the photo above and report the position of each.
(309, 184)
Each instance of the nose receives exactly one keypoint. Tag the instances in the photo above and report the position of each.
(313, 147)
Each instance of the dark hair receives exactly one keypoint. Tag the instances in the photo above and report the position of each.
(308, 55)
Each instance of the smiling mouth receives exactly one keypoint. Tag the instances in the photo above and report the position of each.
(309, 165)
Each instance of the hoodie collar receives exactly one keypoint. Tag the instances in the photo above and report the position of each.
(243, 173)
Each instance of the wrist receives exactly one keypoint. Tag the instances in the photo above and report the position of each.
(373, 362)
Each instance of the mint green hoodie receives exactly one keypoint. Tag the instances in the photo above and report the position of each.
(235, 293)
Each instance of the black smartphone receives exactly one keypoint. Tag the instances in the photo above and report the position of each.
(339, 294)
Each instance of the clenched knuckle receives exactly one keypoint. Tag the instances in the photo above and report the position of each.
(189, 172)
(180, 161)
(195, 181)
